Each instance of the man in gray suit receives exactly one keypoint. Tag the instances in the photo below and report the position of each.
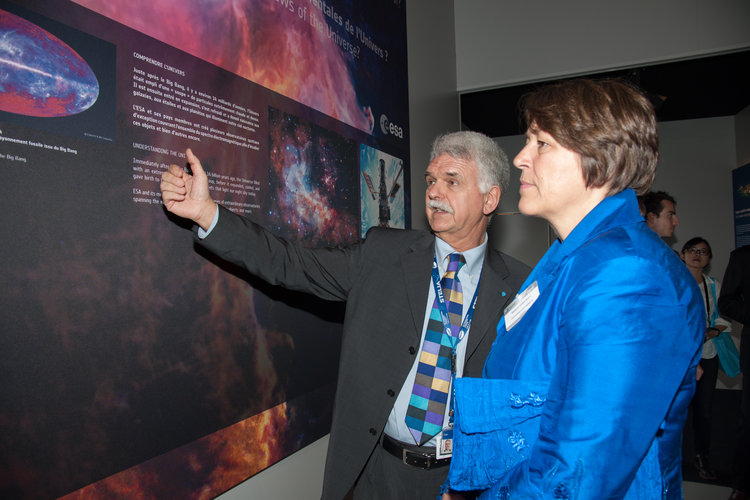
(390, 289)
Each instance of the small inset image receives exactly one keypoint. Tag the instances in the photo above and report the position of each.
(312, 182)
(55, 78)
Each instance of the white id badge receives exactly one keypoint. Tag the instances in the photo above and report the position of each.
(444, 444)
(523, 301)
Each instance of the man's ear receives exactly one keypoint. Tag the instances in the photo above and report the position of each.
(491, 200)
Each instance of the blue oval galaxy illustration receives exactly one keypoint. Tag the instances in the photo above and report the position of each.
(40, 75)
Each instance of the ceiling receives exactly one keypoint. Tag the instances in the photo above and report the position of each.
(695, 88)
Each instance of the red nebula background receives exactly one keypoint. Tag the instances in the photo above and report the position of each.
(261, 40)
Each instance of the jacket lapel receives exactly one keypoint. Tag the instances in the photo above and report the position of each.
(494, 296)
(416, 266)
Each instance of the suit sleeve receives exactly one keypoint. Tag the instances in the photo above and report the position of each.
(625, 351)
(720, 320)
(325, 272)
(731, 300)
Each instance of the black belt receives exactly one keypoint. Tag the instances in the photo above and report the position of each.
(413, 458)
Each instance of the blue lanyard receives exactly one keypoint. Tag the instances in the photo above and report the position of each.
(448, 328)
(454, 340)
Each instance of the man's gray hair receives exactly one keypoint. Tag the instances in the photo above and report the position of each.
(492, 163)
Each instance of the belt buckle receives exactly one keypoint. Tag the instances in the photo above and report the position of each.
(415, 461)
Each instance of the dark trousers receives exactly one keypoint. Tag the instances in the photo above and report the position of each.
(702, 405)
(387, 477)
(741, 460)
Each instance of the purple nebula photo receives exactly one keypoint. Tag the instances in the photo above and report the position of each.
(40, 75)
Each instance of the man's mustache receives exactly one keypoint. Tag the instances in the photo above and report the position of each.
(440, 205)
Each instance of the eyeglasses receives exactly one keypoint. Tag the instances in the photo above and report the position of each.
(697, 251)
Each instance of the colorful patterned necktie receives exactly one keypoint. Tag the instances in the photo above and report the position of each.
(426, 411)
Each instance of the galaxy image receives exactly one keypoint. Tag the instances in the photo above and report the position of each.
(40, 75)
(313, 181)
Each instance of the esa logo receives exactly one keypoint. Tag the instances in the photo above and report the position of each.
(389, 127)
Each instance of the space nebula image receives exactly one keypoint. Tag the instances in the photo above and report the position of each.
(261, 40)
(135, 364)
(40, 75)
(313, 180)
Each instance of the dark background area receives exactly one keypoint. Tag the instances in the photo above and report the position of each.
(684, 90)
(726, 417)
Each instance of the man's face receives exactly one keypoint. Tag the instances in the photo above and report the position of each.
(666, 221)
(456, 210)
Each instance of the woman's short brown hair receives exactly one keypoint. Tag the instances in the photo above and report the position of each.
(609, 123)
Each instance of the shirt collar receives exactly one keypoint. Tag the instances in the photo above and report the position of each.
(474, 257)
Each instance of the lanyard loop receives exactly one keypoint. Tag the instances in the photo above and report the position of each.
(443, 308)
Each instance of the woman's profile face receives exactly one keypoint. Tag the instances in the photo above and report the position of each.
(696, 257)
(552, 184)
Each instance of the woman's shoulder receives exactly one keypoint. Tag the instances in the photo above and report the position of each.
(626, 253)
(628, 241)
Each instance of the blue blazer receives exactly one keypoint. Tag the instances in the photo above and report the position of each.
(589, 389)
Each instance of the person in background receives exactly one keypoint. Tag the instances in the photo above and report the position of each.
(660, 212)
(696, 253)
(734, 303)
(642, 206)
(586, 388)
(398, 355)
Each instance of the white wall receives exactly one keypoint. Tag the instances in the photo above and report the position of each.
(696, 159)
(696, 162)
(433, 101)
(695, 166)
(298, 476)
(518, 41)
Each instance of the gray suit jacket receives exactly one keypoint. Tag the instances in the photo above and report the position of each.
(384, 281)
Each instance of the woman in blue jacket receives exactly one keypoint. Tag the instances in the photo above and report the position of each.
(586, 388)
